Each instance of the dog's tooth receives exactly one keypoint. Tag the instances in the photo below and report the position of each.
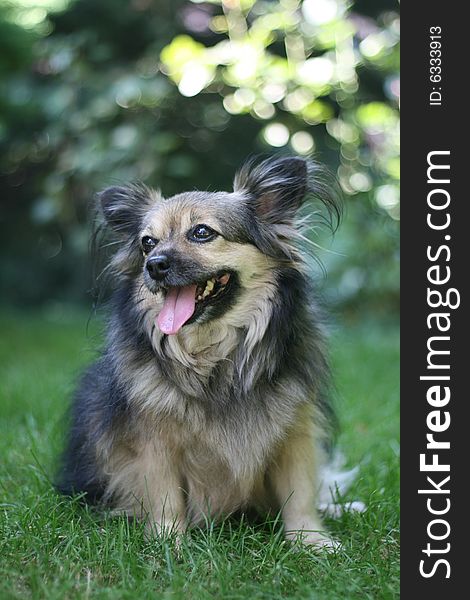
(210, 285)
(199, 297)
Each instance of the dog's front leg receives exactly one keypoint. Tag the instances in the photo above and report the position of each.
(294, 480)
(148, 484)
(164, 501)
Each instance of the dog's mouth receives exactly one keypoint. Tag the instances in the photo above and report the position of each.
(184, 304)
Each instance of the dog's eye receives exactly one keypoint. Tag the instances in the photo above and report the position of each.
(148, 244)
(202, 233)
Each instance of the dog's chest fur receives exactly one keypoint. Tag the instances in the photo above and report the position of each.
(212, 406)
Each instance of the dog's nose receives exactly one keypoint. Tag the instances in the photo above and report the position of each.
(158, 266)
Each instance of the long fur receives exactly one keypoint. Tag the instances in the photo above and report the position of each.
(233, 411)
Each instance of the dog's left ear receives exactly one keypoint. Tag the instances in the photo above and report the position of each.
(123, 207)
(276, 185)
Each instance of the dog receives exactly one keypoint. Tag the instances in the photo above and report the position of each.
(211, 394)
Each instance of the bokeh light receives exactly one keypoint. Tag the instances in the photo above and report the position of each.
(96, 93)
(276, 135)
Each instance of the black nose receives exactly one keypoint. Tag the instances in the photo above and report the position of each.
(158, 266)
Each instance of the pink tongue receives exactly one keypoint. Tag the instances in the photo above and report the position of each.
(178, 308)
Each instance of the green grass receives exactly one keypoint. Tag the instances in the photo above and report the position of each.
(52, 547)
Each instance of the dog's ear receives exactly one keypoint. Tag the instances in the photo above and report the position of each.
(124, 207)
(277, 187)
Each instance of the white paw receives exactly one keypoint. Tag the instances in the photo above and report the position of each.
(314, 539)
(164, 529)
(322, 542)
(336, 510)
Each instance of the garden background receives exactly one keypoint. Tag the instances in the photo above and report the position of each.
(177, 93)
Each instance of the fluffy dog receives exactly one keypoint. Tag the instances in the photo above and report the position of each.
(210, 395)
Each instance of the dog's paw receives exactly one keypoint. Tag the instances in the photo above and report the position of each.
(315, 540)
(322, 543)
(336, 510)
(169, 530)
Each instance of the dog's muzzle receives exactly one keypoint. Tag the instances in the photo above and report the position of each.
(158, 266)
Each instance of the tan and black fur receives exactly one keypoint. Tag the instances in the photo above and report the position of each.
(229, 412)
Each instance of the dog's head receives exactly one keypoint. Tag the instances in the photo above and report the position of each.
(202, 254)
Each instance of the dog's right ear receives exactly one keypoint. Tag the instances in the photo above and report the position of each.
(276, 186)
(124, 207)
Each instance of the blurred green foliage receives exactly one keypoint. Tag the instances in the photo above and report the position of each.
(178, 93)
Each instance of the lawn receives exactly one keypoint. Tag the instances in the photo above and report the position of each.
(52, 547)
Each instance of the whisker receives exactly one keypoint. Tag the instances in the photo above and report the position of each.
(104, 271)
(318, 246)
